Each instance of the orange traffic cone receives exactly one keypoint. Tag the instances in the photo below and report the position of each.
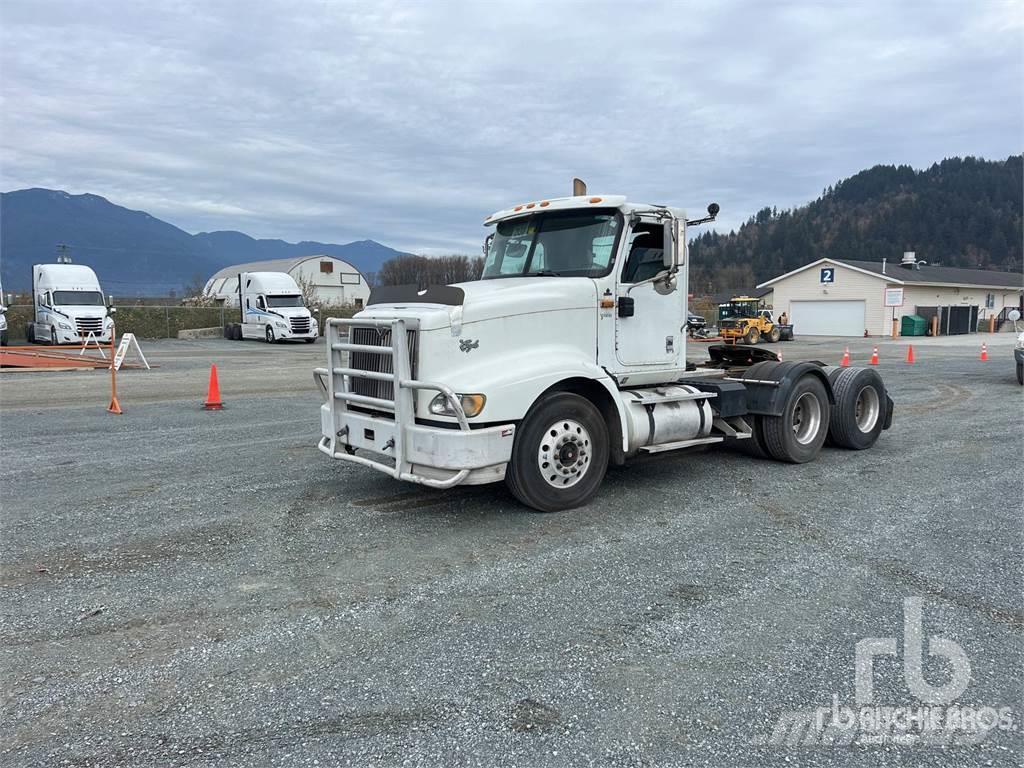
(845, 362)
(213, 402)
(984, 353)
(874, 357)
(910, 354)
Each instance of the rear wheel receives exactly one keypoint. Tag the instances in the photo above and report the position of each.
(859, 412)
(752, 336)
(798, 434)
(560, 454)
(270, 335)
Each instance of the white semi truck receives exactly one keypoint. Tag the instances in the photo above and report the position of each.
(568, 356)
(271, 308)
(3, 319)
(68, 306)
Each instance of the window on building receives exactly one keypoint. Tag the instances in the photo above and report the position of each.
(359, 303)
(350, 278)
(990, 300)
(327, 267)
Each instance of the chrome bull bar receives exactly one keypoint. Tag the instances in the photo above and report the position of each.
(403, 404)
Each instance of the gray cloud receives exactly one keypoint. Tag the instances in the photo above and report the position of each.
(408, 123)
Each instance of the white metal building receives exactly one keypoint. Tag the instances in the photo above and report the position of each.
(334, 281)
(838, 297)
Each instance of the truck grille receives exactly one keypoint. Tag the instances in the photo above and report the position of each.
(368, 361)
(85, 325)
(300, 324)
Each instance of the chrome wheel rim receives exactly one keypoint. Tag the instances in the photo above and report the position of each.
(867, 409)
(806, 418)
(563, 456)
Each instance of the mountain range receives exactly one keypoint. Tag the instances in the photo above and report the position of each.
(133, 253)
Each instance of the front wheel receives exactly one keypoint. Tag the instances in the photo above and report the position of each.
(560, 454)
(798, 434)
(270, 335)
(774, 334)
(1020, 373)
(753, 336)
(310, 341)
(53, 336)
(30, 333)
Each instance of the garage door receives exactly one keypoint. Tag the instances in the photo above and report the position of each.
(827, 318)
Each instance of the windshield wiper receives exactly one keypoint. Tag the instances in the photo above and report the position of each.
(543, 273)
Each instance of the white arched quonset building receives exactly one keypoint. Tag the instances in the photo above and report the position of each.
(335, 282)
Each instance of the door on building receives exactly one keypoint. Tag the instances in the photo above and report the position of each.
(827, 318)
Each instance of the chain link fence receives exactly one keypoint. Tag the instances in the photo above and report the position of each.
(160, 322)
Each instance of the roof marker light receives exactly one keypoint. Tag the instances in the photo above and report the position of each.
(595, 199)
(530, 205)
(544, 203)
(518, 208)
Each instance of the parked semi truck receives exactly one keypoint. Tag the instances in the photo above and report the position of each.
(3, 319)
(68, 306)
(569, 356)
(271, 308)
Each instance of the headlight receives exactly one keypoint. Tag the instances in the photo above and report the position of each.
(65, 326)
(279, 324)
(471, 404)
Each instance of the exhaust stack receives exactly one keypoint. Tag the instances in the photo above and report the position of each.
(579, 187)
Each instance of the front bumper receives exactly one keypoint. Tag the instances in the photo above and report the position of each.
(437, 457)
(65, 336)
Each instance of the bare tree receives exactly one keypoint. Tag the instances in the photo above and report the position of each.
(437, 270)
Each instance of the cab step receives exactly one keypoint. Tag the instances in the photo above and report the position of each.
(680, 444)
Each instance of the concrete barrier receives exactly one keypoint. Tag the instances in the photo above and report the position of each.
(201, 333)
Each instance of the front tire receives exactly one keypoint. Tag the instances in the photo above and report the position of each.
(270, 335)
(560, 454)
(310, 341)
(753, 336)
(798, 434)
(1020, 373)
(54, 341)
(30, 333)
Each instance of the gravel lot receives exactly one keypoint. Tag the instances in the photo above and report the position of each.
(183, 587)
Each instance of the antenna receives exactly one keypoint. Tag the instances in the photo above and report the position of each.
(63, 253)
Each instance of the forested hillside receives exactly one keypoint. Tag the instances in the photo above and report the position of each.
(963, 212)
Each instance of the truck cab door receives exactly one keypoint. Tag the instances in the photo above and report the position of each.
(650, 316)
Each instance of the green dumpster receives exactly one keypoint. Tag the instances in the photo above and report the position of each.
(913, 325)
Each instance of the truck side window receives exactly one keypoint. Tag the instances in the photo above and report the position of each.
(646, 254)
(260, 303)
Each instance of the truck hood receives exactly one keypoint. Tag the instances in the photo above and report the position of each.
(492, 299)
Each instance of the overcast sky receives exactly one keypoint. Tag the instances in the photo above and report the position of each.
(408, 123)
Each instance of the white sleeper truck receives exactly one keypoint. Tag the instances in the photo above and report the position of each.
(271, 308)
(69, 306)
(3, 319)
(568, 356)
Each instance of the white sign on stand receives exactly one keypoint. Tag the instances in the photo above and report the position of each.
(128, 341)
(894, 297)
(92, 338)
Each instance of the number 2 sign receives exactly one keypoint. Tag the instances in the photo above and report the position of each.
(828, 274)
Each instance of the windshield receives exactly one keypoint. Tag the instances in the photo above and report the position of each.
(78, 298)
(734, 310)
(284, 301)
(562, 244)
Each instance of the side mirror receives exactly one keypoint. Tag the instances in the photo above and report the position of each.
(668, 245)
(627, 306)
(112, 310)
(316, 310)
